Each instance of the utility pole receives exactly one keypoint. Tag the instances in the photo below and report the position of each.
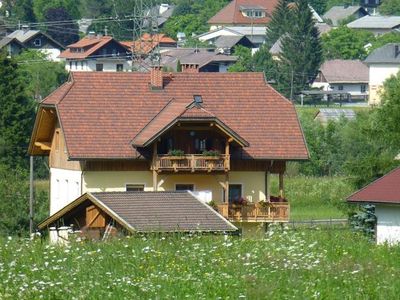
(291, 87)
(31, 198)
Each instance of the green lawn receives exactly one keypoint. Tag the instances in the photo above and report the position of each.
(302, 264)
(315, 197)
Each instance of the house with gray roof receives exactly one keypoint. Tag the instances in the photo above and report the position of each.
(378, 25)
(341, 75)
(340, 13)
(37, 40)
(11, 45)
(227, 44)
(203, 59)
(382, 63)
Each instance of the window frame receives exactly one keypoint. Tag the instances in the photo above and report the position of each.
(135, 184)
(187, 184)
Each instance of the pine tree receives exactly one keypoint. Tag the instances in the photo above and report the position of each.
(301, 54)
(280, 23)
(16, 115)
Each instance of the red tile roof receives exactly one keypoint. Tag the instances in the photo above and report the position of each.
(232, 14)
(102, 112)
(89, 44)
(383, 190)
(148, 42)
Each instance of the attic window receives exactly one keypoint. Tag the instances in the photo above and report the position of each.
(37, 42)
(252, 13)
(197, 99)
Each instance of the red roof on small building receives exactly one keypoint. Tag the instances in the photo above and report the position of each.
(383, 190)
(232, 13)
(101, 113)
(86, 47)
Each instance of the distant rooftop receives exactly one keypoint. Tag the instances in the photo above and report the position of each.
(375, 22)
(338, 13)
(389, 53)
(345, 71)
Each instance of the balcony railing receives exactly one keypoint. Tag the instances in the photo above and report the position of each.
(255, 213)
(192, 163)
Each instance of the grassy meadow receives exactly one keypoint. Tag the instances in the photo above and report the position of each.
(286, 264)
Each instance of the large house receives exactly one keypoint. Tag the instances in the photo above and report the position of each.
(383, 63)
(33, 40)
(384, 193)
(342, 75)
(97, 53)
(219, 135)
(244, 13)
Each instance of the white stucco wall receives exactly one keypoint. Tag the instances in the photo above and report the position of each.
(90, 65)
(253, 183)
(65, 186)
(388, 223)
(52, 53)
(353, 88)
(378, 73)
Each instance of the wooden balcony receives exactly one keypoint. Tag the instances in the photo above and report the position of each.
(271, 212)
(192, 163)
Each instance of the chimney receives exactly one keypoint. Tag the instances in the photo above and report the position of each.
(156, 78)
(25, 28)
(190, 68)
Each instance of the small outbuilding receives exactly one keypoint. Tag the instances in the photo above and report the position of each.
(101, 215)
(384, 193)
(324, 115)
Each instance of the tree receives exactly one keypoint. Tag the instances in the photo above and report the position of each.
(301, 54)
(20, 10)
(17, 113)
(40, 75)
(390, 7)
(346, 43)
(65, 34)
(40, 7)
(280, 23)
(391, 37)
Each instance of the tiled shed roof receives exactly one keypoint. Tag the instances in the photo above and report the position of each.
(383, 190)
(177, 211)
(101, 112)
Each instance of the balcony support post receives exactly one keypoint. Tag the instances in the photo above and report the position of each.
(155, 179)
(281, 191)
(267, 186)
(226, 198)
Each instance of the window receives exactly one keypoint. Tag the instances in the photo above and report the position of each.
(363, 88)
(76, 65)
(37, 42)
(120, 67)
(81, 65)
(254, 13)
(340, 87)
(99, 67)
(70, 65)
(184, 187)
(235, 192)
(133, 187)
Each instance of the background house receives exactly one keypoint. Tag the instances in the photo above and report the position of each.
(349, 76)
(11, 45)
(382, 63)
(336, 14)
(36, 40)
(244, 13)
(202, 59)
(378, 25)
(148, 42)
(384, 193)
(97, 53)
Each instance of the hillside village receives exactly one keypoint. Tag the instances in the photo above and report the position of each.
(261, 125)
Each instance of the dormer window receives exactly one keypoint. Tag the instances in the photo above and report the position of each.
(254, 13)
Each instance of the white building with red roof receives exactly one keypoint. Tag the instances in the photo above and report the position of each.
(384, 193)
